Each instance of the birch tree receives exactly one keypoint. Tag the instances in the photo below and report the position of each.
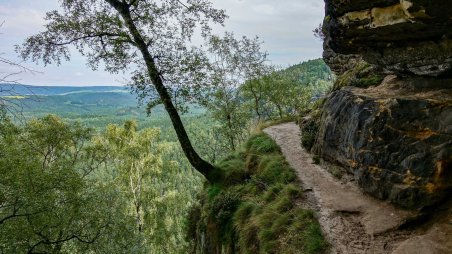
(150, 39)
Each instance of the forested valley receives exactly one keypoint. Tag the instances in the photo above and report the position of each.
(89, 171)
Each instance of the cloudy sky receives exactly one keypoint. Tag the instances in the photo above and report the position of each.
(285, 27)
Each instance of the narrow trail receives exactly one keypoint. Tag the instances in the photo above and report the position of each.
(352, 222)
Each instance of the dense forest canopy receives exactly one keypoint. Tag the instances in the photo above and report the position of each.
(76, 191)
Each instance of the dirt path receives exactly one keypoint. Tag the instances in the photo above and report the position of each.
(352, 221)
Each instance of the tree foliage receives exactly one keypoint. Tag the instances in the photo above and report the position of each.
(234, 62)
(66, 190)
(142, 167)
(46, 200)
(287, 92)
(151, 38)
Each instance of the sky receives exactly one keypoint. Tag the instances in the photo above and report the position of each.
(285, 27)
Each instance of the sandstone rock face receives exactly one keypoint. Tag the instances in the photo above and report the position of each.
(396, 139)
(405, 37)
(339, 63)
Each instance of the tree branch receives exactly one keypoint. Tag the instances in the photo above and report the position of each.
(98, 35)
(184, 5)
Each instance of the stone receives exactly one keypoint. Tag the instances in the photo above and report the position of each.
(407, 38)
(361, 75)
(339, 63)
(436, 240)
(394, 138)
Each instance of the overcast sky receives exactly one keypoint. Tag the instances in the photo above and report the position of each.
(285, 26)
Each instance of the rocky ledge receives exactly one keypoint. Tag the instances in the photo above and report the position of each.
(396, 138)
(404, 37)
(395, 135)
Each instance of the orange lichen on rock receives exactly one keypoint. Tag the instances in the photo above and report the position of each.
(424, 134)
(430, 188)
(443, 172)
(440, 180)
(409, 179)
(352, 163)
(374, 170)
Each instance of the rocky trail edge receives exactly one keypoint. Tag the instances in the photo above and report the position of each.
(354, 222)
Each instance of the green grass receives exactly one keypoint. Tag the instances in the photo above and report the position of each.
(254, 206)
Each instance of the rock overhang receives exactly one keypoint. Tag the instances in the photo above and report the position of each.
(404, 37)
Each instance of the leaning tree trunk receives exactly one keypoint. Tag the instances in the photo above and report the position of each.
(256, 108)
(195, 160)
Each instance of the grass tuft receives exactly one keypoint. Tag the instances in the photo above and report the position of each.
(261, 143)
(254, 208)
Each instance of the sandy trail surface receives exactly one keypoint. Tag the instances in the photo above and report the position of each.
(352, 221)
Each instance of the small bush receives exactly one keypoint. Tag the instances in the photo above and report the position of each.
(316, 159)
(251, 163)
(230, 171)
(272, 192)
(244, 213)
(222, 209)
(309, 132)
(213, 191)
(292, 191)
(283, 204)
(315, 242)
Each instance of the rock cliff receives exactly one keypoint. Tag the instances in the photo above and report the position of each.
(395, 135)
(404, 37)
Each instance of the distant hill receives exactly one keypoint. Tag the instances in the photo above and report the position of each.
(6, 89)
(95, 106)
(98, 105)
(71, 102)
(82, 101)
(310, 72)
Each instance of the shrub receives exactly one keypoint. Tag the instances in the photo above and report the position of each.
(309, 132)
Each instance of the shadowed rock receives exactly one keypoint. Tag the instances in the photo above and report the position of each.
(404, 37)
(395, 139)
(394, 136)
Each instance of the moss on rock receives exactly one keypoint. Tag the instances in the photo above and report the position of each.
(362, 75)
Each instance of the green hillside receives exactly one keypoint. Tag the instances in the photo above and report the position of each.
(6, 89)
(310, 72)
